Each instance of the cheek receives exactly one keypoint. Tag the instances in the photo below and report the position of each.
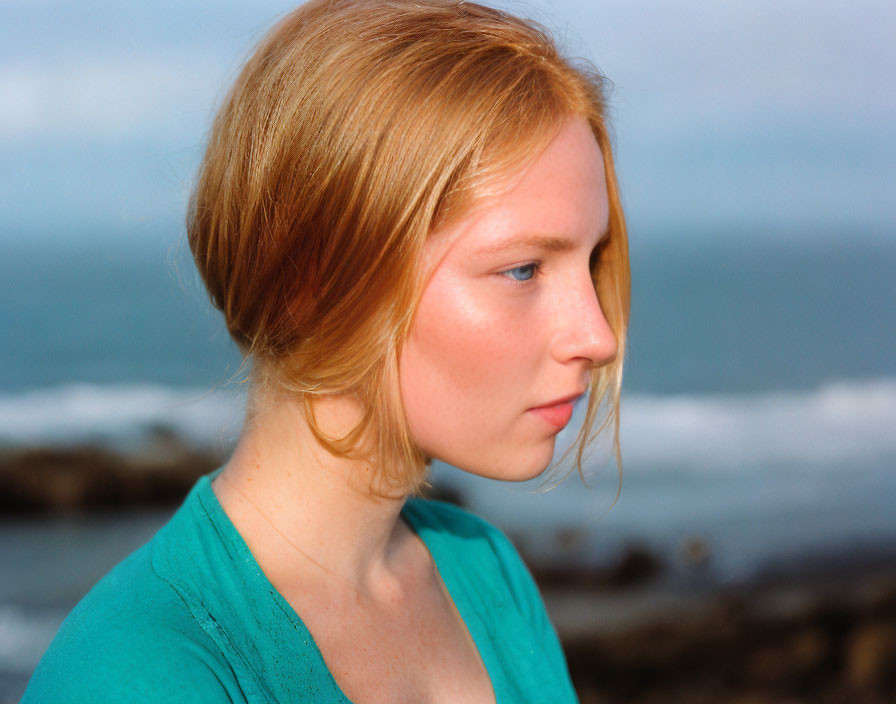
(464, 369)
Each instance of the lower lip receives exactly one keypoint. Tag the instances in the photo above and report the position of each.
(558, 415)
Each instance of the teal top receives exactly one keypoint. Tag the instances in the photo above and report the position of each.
(190, 617)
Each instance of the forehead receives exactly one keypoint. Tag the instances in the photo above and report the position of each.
(557, 201)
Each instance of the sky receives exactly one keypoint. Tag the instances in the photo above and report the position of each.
(730, 117)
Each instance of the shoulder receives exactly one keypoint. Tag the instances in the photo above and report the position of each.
(132, 638)
(477, 546)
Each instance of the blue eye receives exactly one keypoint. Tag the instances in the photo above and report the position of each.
(522, 273)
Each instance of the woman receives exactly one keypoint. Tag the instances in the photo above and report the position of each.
(408, 216)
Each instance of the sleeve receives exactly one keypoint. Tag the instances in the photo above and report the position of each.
(132, 646)
(111, 671)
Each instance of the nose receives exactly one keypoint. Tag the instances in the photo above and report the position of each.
(583, 331)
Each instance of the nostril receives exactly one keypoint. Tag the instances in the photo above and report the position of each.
(612, 351)
(605, 345)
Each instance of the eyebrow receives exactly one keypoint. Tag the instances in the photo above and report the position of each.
(544, 242)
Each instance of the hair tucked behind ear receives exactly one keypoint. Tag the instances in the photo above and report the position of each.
(356, 128)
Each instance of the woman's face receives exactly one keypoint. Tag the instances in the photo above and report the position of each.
(509, 325)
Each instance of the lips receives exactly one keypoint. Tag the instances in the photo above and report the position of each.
(558, 412)
(558, 415)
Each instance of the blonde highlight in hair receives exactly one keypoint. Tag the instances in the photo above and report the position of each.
(355, 129)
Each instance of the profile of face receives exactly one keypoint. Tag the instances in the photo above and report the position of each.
(509, 327)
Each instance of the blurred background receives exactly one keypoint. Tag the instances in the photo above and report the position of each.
(750, 555)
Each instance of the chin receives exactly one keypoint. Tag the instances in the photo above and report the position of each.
(520, 465)
(500, 461)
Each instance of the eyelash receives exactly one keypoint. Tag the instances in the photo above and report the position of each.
(537, 266)
(534, 266)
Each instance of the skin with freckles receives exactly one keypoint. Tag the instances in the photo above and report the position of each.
(509, 320)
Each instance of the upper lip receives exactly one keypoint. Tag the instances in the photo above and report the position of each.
(564, 399)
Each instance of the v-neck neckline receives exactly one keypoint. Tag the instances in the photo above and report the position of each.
(442, 561)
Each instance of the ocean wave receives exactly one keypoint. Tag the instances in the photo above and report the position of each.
(845, 422)
(116, 415)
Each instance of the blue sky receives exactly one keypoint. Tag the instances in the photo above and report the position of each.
(730, 117)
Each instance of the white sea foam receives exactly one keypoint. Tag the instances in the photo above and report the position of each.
(845, 422)
(80, 413)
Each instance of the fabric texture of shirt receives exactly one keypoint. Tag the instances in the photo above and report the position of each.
(191, 617)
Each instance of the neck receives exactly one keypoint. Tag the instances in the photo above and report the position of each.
(281, 486)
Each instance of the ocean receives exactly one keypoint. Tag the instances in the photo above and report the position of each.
(758, 413)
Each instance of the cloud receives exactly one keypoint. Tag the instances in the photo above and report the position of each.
(675, 64)
(762, 107)
(106, 98)
(679, 60)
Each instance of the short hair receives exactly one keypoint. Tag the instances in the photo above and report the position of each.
(355, 129)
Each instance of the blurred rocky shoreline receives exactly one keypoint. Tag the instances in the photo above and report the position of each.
(825, 640)
(823, 632)
(89, 477)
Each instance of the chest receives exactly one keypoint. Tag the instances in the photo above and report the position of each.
(414, 649)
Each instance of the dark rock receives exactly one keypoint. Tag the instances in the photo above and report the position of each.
(636, 566)
(811, 650)
(66, 479)
(871, 655)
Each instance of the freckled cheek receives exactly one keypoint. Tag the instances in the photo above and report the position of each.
(461, 368)
(470, 337)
